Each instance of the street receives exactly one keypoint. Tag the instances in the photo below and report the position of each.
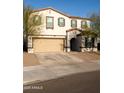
(88, 82)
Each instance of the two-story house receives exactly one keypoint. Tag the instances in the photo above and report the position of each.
(57, 32)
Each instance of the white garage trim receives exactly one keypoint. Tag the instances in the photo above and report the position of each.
(48, 45)
(31, 38)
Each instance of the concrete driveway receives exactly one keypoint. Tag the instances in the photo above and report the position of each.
(56, 65)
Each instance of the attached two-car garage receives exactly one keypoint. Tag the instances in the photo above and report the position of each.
(48, 45)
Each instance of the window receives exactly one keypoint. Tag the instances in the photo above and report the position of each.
(73, 23)
(92, 24)
(36, 20)
(49, 22)
(61, 22)
(83, 24)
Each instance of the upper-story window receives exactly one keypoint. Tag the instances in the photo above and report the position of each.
(61, 22)
(73, 23)
(92, 25)
(83, 24)
(49, 22)
(35, 20)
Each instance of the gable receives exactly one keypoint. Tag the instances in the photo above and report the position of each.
(50, 11)
(58, 12)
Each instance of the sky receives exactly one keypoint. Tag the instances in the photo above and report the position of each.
(82, 8)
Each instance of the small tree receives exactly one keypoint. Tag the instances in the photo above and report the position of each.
(26, 14)
(96, 27)
(93, 31)
(30, 23)
(95, 18)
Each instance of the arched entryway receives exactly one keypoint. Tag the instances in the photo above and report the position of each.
(75, 44)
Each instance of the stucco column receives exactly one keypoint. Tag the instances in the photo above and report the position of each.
(68, 42)
(65, 45)
(83, 44)
(95, 45)
(30, 47)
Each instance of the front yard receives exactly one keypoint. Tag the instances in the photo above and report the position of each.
(29, 59)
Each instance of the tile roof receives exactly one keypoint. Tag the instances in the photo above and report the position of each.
(75, 17)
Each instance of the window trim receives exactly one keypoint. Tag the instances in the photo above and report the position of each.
(34, 19)
(82, 24)
(52, 22)
(59, 22)
(75, 21)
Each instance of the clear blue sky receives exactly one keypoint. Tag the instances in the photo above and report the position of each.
(73, 7)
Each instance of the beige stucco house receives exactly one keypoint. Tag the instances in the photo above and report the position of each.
(58, 32)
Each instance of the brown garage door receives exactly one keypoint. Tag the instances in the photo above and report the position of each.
(48, 45)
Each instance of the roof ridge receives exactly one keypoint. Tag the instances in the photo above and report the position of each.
(41, 9)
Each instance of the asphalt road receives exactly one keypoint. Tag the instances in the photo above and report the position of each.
(88, 82)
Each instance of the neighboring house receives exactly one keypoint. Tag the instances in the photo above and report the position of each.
(58, 32)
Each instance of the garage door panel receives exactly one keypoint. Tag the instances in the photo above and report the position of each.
(48, 45)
